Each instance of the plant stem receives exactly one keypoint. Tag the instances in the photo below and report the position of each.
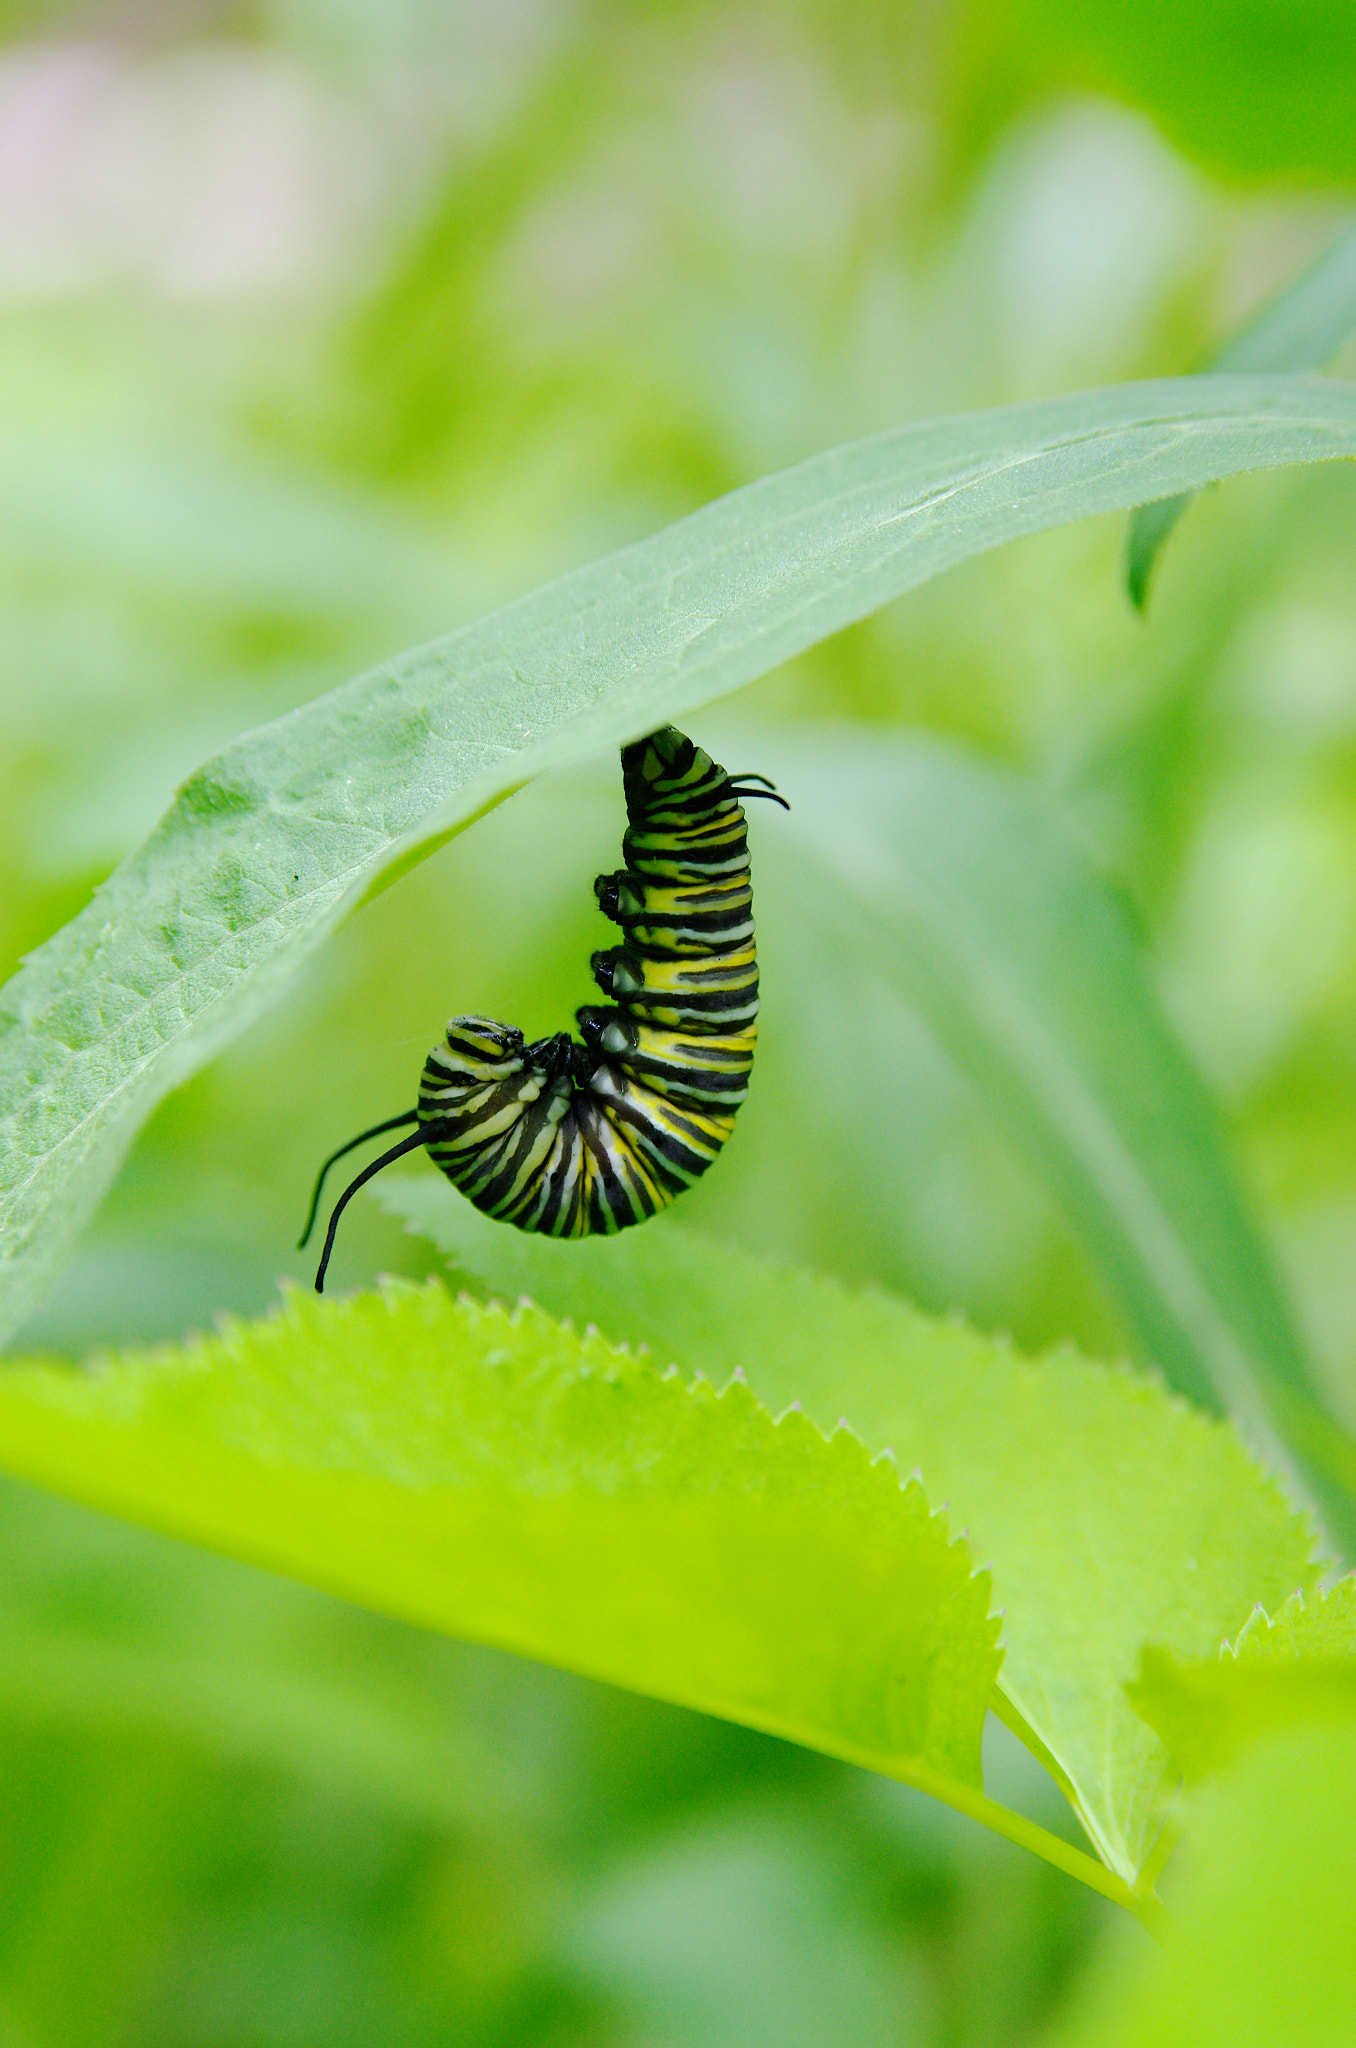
(1014, 1827)
(1029, 1834)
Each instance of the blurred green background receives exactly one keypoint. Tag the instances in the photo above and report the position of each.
(327, 324)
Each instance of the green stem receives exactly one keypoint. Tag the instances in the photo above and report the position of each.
(1140, 1897)
(1015, 1827)
(1162, 1849)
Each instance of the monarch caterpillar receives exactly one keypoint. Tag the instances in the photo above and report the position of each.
(570, 1138)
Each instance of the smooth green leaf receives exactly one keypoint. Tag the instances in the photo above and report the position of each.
(1109, 1512)
(1299, 1666)
(1264, 1912)
(1303, 327)
(950, 877)
(269, 844)
(499, 1477)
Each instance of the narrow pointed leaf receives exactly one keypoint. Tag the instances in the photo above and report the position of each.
(1303, 327)
(270, 843)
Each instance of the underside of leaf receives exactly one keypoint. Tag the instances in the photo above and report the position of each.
(495, 1475)
(1108, 1511)
(272, 842)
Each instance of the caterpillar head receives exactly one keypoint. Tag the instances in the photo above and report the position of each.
(661, 764)
(666, 755)
(481, 1049)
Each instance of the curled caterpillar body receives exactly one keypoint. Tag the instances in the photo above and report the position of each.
(571, 1137)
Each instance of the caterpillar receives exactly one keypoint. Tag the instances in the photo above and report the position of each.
(575, 1136)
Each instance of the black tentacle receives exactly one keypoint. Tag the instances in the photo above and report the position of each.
(572, 1138)
(741, 789)
(392, 1123)
(410, 1144)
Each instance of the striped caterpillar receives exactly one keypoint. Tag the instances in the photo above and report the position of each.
(572, 1136)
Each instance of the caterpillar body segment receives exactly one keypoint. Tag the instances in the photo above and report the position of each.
(573, 1137)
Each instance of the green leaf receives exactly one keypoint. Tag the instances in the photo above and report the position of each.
(949, 877)
(1303, 327)
(270, 844)
(1264, 1912)
(105, 1627)
(1108, 1511)
(499, 1477)
(1301, 1666)
(1321, 1627)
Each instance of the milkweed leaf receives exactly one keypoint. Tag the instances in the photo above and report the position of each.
(271, 842)
(1303, 327)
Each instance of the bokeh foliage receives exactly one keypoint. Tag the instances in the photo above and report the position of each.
(581, 271)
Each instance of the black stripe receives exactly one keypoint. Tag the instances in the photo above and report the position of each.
(625, 1137)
